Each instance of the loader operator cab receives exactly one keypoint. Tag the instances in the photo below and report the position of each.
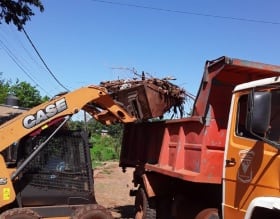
(60, 174)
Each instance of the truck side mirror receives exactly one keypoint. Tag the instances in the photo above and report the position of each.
(258, 113)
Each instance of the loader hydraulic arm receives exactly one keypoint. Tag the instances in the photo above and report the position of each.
(93, 99)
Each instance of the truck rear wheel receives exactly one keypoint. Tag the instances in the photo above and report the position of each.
(92, 212)
(209, 213)
(142, 206)
(19, 213)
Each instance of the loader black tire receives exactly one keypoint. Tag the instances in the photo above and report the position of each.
(20, 213)
(209, 213)
(142, 206)
(93, 211)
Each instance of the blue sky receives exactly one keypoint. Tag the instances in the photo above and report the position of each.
(85, 42)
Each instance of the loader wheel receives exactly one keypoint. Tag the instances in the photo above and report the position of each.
(209, 213)
(143, 210)
(20, 213)
(92, 212)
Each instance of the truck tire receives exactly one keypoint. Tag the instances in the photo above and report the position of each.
(208, 213)
(19, 213)
(142, 206)
(94, 211)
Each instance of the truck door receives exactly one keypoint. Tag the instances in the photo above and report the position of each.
(251, 164)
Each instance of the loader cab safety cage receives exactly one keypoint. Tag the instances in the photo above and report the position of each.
(60, 174)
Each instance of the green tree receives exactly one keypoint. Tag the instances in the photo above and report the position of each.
(27, 94)
(4, 89)
(95, 127)
(115, 130)
(76, 125)
(18, 12)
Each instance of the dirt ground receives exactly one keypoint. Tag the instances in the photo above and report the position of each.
(112, 188)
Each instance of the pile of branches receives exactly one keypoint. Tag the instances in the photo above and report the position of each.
(163, 86)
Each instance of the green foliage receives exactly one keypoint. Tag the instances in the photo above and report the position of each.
(44, 99)
(76, 125)
(115, 130)
(104, 148)
(4, 89)
(95, 127)
(18, 12)
(28, 95)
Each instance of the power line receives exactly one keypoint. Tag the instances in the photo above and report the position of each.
(189, 12)
(20, 59)
(31, 56)
(13, 57)
(23, 59)
(52, 74)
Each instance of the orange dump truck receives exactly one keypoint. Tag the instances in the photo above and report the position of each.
(221, 162)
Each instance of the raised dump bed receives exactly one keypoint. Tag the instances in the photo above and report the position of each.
(192, 148)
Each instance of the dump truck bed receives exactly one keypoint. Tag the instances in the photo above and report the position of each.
(192, 148)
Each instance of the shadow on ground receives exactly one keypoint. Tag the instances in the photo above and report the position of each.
(127, 211)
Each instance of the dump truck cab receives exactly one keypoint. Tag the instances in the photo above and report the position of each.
(252, 159)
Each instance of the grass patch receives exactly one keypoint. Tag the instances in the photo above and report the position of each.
(105, 148)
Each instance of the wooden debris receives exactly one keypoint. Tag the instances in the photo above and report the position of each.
(147, 98)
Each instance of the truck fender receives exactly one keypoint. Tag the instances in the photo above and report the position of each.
(148, 187)
(155, 184)
(272, 203)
